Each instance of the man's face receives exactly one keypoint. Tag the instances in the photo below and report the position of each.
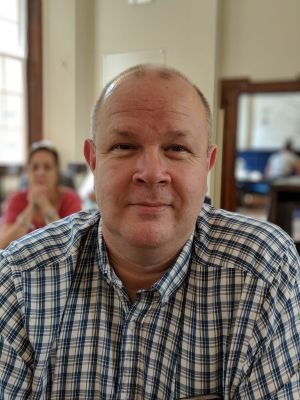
(150, 162)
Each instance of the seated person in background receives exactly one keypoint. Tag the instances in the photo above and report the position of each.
(285, 162)
(158, 296)
(43, 201)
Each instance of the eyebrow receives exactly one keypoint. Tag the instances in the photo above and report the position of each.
(128, 134)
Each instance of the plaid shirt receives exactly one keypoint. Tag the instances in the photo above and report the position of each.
(225, 318)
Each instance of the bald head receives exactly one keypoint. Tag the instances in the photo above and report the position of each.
(140, 72)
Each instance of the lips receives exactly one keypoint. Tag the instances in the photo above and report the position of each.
(149, 209)
(150, 202)
(147, 204)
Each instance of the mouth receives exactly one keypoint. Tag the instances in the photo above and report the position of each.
(146, 207)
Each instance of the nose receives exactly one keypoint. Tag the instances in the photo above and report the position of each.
(40, 171)
(151, 169)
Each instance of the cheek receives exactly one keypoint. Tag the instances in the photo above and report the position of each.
(195, 190)
(192, 181)
(30, 177)
(111, 180)
(53, 174)
(194, 196)
(113, 172)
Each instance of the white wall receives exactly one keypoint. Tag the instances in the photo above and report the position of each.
(68, 61)
(59, 74)
(84, 80)
(260, 39)
(186, 30)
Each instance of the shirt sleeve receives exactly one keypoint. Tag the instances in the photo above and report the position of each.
(70, 204)
(272, 365)
(13, 206)
(16, 354)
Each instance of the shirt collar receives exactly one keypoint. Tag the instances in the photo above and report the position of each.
(103, 260)
(176, 274)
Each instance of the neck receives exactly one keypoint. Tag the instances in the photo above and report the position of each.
(139, 272)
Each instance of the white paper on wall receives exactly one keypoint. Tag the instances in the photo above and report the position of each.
(115, 63)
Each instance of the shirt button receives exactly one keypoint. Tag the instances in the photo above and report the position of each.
(131, 325)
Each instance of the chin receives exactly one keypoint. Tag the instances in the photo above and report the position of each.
(149, 237)
(153, 243)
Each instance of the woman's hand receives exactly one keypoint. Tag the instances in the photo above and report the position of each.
(24, 220)
(23, 224)
(38, 197)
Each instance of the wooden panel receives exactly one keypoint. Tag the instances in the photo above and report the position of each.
(34, 71)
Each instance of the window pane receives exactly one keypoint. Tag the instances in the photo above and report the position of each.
(12, 147)
(12, 87)
(1, 74)
(2, 114)
(9, 9)
(9, 37)
(14, 111)
(13, 75)
(12, 27)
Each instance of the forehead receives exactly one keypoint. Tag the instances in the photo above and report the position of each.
(151, 92)
(42, 156)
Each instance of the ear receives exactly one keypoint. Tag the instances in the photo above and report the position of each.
(90, 153)
(212, 155)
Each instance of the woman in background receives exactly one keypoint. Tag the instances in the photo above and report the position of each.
(43, 201)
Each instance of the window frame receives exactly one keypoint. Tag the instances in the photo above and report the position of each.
(34, 72)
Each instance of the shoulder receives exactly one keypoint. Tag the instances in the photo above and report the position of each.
(69, 194)
(20, 196)
(231, 240)
(13, 205)
(54, 243)
(70, 202)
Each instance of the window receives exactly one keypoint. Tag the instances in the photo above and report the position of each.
(13, 135)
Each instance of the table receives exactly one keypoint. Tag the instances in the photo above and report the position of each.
(284, 201)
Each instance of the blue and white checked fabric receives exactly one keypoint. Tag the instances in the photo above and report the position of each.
(225, 318)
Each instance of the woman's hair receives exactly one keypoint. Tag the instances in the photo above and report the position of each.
(45, 146)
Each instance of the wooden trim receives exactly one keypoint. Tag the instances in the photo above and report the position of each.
(230, 92)
(34, 71)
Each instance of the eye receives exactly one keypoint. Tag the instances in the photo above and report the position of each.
(123, 146)
(123, 149)
(33, 167)
(177, 148)
(48, 167)
(177, 151)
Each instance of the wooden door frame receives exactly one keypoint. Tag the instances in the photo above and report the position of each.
(231, 89)
(34, 72)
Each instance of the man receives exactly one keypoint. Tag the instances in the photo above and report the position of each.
(161, 297)
(284, 162)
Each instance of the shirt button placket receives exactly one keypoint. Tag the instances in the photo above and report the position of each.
(127, 350)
